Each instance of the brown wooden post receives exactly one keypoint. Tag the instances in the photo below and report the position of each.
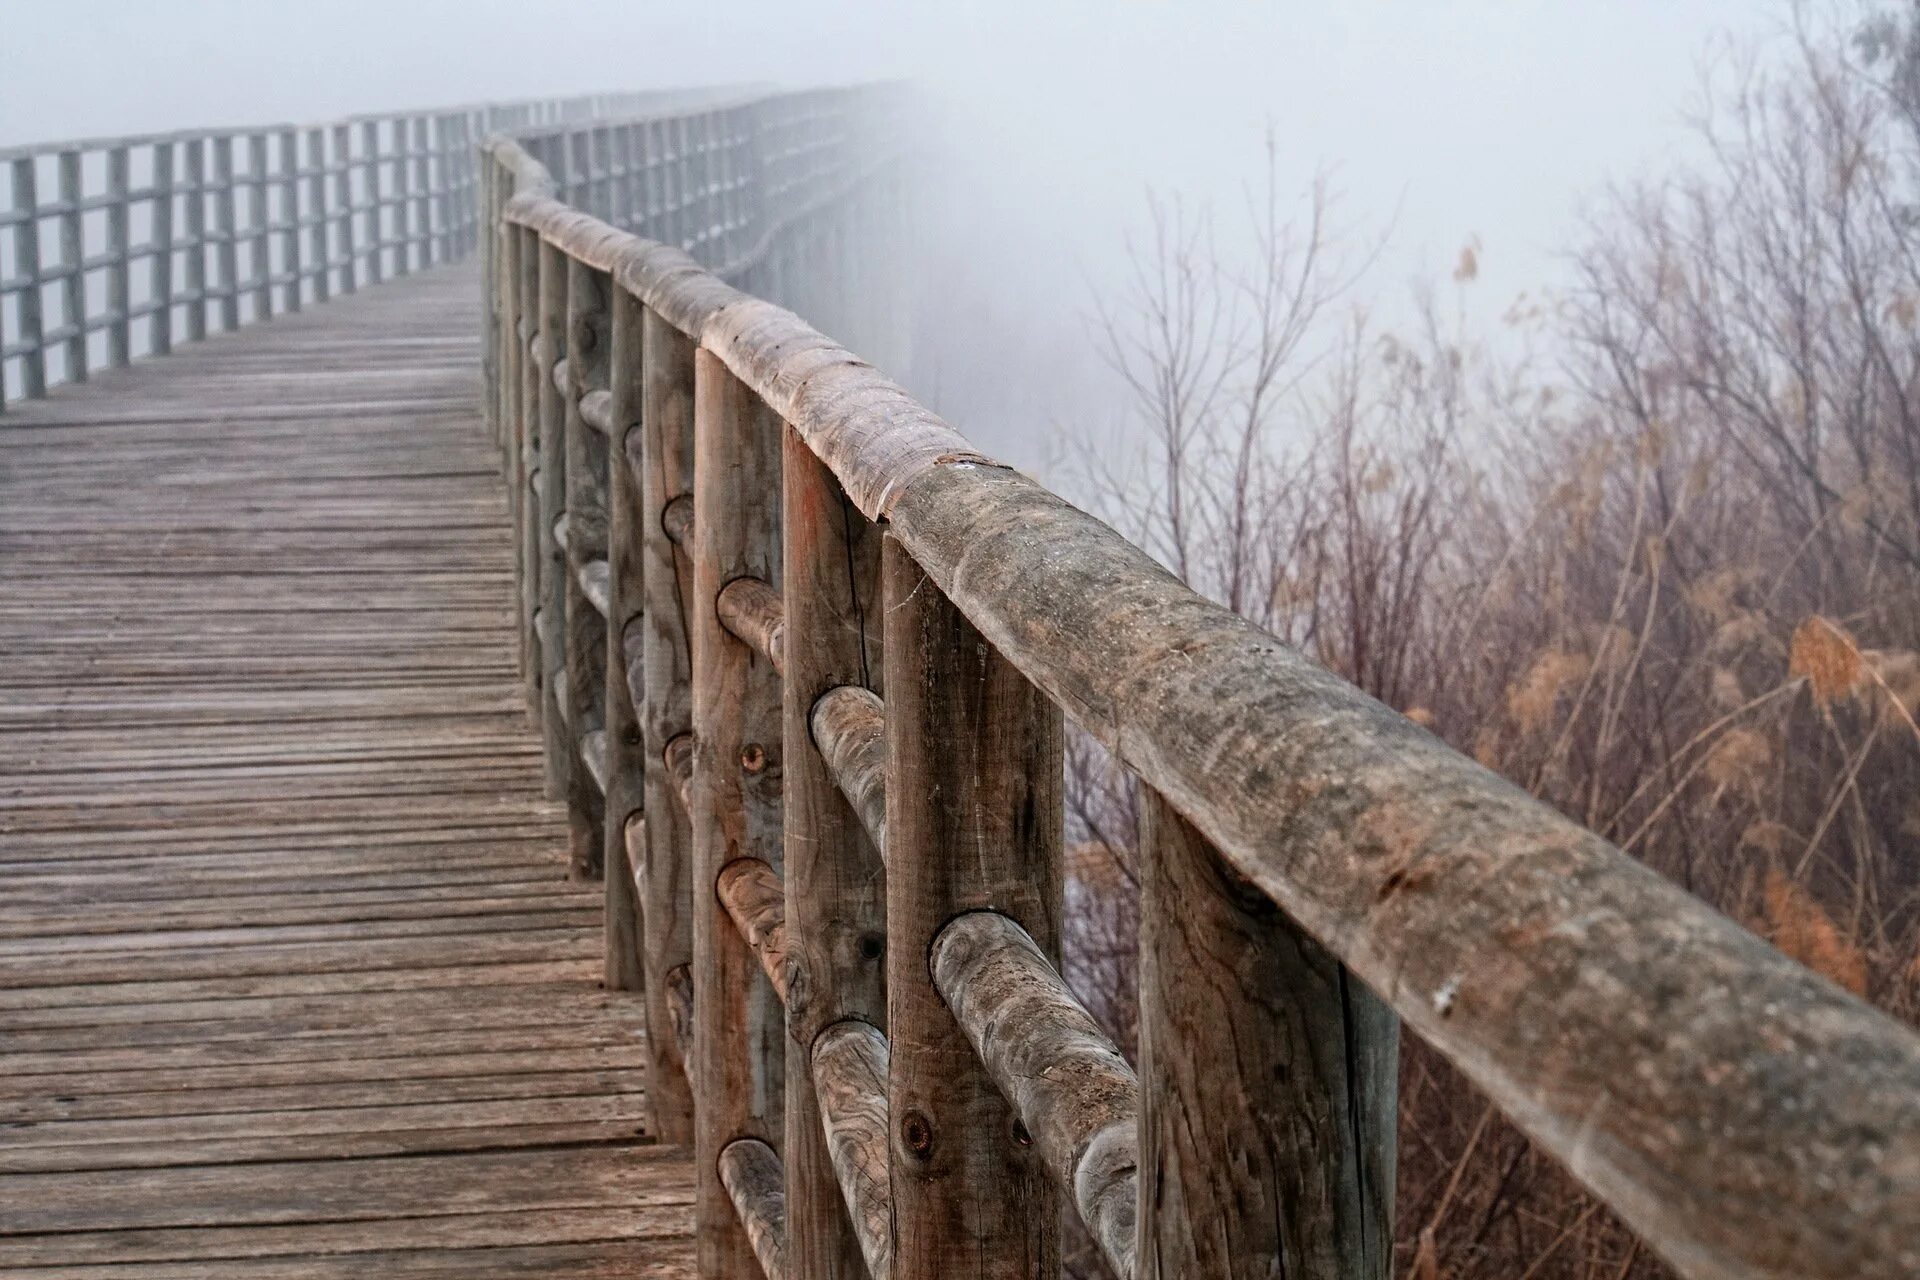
(836, 914)
(551, 338)
(1268, 1073)
(73, 251)
(343, 198)
(196, 255)
(119, 328)
(738, 1022)
(527, 257)
(289, 184)
(626, 627)
(226, 249)
(259, 222)
(160, 263)
(511, 368)
(973, 821)
(666, 880)
(588, 337)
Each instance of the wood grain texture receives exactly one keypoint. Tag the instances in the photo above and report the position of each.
(296, 984)
(1270, 1077)
(750, 1171)
(739, 1021)
(589, 339)
(973, 821)
(835, 890)
(849, 729)
(1073, 1091)
(850, 1069)
(624, 604)
(663, 463)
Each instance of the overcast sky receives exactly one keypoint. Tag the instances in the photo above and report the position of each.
(1452, 118)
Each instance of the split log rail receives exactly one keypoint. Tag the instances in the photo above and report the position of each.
(803, 657)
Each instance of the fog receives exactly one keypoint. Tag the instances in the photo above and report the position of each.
(1442, 123)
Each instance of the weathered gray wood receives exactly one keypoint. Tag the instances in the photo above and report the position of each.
(664, 462)
(549, 507)
(589, 321)
(623, 601)
(973, 821)
(850, 1069)
(751, 1174)
(119, 343)
(160, 261)
(315, 996)
(836, 891)
(73, 248)
(1073, 1091)
(287, 153)
(849, 729)
(528, 375)
(1269, 1073)
(738, 1020)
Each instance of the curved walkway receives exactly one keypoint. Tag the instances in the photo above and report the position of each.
(292, 983)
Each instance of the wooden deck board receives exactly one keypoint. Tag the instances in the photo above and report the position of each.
(292, 981)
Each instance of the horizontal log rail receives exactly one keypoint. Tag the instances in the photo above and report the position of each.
(848, 640)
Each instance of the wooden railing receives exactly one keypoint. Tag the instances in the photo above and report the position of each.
(115, 248)
(802, 657)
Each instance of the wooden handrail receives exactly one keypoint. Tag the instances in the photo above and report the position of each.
(1315, 868)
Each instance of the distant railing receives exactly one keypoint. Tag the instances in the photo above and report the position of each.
(115, 248)
(801, 656)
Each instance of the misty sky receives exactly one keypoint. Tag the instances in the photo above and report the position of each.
(1452, 118)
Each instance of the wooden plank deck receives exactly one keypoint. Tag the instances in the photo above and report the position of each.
(292, 983)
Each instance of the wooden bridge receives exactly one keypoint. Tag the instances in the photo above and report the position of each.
(316, 961)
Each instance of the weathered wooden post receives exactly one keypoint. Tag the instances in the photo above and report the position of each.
(526, 256)
(973, 822)
(344, 200)
(666, 870)
(73, 251)
(1268, 1077)
(376, 227)
(196, 255)
(836, 907)
(119, 323)
(739, 1024)
(160, 261)
(226, 250)
(626, 757)
(402, 204)
(26, 251)
(288, 155)
(588, 335)
(258, 226)
(423, 189)
(319, 251)
(556, 705)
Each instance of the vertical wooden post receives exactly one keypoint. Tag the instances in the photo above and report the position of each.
(973, 821)
(73, 252)
(739, 1026)
(319, 250)
(227, 249)
(551, 505)
(26, 252)
(836, 886)
(160, 265)
(376, 228)
(195, 190)
(343, 197)
(586, 507)
(526, 258)
(1267, 1078)
(289, 153)
(422, 189)
(626, 635)
(666, 881)
(262, 252)
(119, 304)
(402, 205)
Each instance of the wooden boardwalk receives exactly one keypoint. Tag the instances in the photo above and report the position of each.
(291, 979)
